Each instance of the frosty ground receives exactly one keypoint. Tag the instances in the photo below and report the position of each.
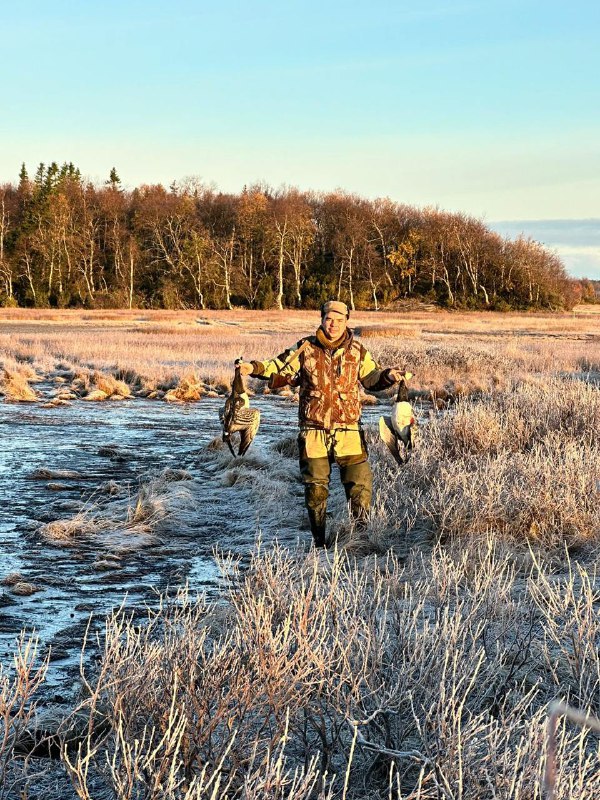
(469, 605)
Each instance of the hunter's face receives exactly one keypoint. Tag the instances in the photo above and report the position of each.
(333, 324)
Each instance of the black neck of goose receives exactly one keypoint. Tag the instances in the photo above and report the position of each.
(402, 394)
(238, 382)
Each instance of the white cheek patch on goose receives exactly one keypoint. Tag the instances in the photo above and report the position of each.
(398, 430)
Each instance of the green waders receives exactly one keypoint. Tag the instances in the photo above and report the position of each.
(356, 477)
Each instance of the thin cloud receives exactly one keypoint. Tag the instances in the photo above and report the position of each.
(581, 262)
(576, 241)
(554, 232)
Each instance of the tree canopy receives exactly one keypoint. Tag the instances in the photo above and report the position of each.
(67, 242)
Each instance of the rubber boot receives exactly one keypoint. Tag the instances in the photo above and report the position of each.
(318, 534)
(315, 476)
(358, 482)
(317, 515)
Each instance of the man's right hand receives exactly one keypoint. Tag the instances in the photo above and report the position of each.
(397, 374)
(246, 367)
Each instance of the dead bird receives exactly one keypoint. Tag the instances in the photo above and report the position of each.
(398, 431)
(237, 416)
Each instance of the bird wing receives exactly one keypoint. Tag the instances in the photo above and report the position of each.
(249, 430)
(388, 437)
(226, 417)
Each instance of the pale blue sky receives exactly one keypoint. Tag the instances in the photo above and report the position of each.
(492, 108)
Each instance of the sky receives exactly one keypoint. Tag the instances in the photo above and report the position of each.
(486, 107)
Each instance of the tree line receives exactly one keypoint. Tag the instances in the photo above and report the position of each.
(66, 242)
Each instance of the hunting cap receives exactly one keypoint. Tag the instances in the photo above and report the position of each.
(335, 305)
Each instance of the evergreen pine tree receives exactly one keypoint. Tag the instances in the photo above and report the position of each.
(52, 177)
(23, 177)
(39, 175)
(113, 179)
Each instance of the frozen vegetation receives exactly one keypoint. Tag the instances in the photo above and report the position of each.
(417, 659)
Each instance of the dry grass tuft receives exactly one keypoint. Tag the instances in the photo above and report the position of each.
(55, 403)
(24, 588)
(69, 530)
(287, 446)
(115, 452)
(119, 523)
(110, 385)
(189, 390)
(44, 474)
(101, 386)
(96, 396)
(15, 387)
(11, 579)
(170, 475)
(358, 541)
(20, 684)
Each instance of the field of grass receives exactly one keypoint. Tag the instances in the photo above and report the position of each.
(416, 661)
(157, 351)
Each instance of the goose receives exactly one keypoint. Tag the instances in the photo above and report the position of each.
(237, 416)
(398, 430)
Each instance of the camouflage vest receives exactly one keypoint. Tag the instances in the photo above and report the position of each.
(329, 385)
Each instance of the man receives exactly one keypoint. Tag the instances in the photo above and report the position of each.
(328, 367)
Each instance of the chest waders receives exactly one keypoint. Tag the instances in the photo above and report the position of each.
(355, 474)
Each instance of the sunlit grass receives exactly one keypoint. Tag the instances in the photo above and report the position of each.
(461, 353)
(418, 659)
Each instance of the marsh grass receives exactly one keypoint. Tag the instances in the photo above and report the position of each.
(188, 390)
(154, 351)
(386, 331)
(119, 524)
(356, 679)
(14, 384)
(522, 465)
(110, 385)
(415, 660)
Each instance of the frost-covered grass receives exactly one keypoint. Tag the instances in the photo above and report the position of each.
(157, 350)
(332, 678)
(118, 524)
(522, 465)
(337, 678)
(418, 659)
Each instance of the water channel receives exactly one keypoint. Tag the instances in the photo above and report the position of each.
(154, 436)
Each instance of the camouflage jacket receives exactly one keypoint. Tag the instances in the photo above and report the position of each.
(328, 379)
